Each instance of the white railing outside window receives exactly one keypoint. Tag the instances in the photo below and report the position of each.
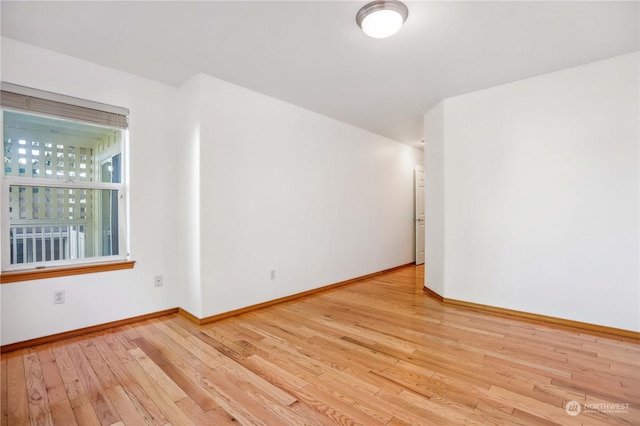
(47, 242)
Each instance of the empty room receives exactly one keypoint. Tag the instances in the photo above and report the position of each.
(320, 212)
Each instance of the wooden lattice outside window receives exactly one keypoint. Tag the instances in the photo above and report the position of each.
(31, 158)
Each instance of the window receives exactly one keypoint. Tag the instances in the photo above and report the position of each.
(63, 192)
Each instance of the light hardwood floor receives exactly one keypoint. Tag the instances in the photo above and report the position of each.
(378, 351)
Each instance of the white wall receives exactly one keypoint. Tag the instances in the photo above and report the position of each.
(541, 194)
(27, 308)
(225, 185)
(284, 188)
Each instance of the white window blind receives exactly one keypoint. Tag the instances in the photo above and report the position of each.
(26, 99)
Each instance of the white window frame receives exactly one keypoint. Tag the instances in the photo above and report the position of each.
(121, 188)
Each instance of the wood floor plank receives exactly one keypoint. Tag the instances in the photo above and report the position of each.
(234, 403)
(125, 407)
(378, 351)
(409, 413)
(160, 377)
(337, 385)
(117, 344)
(104, 410)
(37, 397)
(531, 419)
(275, 374)
(17, 401)
(190, 388)
(98, 365)
(86, 415)
(165, 403)
(337, 409)
(63, 413)
(234, 367)
(189, 345)
(145, 406)
(4, 416)
(181, 352)
(257, 400)
(353, 356)
(51, 375)
(153, 347)
(76, 392)
(196, 374)
(450, 410)
(214, 416)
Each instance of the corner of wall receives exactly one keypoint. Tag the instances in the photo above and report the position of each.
(434, 199)
(189, 254)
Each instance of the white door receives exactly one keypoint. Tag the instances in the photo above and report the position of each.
(419, 203)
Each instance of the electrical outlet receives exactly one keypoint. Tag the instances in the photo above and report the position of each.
(58, 297)
(272, 275)
(157, 280)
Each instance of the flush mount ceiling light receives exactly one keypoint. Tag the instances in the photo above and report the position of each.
(382, 18)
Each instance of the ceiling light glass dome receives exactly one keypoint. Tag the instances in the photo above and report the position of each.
(382, 18)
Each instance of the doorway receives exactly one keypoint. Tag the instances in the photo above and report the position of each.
(419, 213)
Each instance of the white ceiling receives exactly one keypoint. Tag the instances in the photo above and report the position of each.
(312, 54)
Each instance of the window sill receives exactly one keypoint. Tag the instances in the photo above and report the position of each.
(39, 274)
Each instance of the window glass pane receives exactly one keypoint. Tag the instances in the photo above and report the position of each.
(41, 147)
(49, 223)
(42, 203)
